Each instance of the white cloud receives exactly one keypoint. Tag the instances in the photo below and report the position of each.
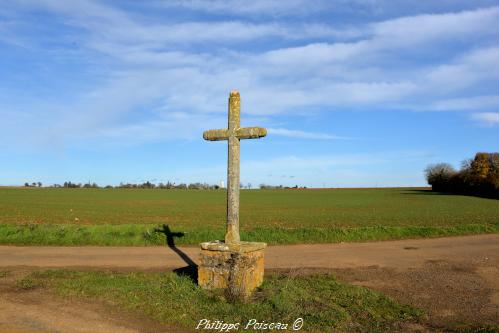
(393, 34)
(475, 66)
(303, 134)
(316, 54)
(156, 65)
(471, 103)
(111, 26)
(170, 126)
(486, 118)
(159, 76)
(243, 7)
(426, 28)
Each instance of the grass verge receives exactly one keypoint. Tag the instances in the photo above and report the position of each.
(145, 235)
(322, 301)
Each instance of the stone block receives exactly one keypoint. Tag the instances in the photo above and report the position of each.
(238, 267)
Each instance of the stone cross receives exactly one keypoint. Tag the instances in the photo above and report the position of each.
(233, 134)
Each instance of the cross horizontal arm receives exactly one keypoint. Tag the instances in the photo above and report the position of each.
(241, 133)
(251, 132)
(216, 135)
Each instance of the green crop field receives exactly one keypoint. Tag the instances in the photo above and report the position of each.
(130, 216)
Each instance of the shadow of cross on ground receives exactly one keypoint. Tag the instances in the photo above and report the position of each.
(191, 270)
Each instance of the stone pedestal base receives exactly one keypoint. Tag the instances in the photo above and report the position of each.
(237, 268)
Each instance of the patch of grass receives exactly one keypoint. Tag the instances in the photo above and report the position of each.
(322, 301)
(28, 283)
(478, 329)
(3, 274)
(145, 235)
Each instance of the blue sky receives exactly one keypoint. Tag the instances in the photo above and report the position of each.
(354, 93)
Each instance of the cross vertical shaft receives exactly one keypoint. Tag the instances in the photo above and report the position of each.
(233, 170)
(234, 133)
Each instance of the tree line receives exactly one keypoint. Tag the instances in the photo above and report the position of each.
(147, 184)
(168, 186)
(478, 176)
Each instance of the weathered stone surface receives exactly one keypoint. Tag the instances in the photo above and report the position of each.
(232, 265)
(234, 134)
(216, 135)
(239, 272)
(251, 132)
(242, 247)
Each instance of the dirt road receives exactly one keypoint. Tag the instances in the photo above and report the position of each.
(456, 280)
(401, 254)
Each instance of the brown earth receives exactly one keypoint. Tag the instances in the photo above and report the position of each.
(455, 280)
(36, 310)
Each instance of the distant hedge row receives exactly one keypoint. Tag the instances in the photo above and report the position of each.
(478, 176)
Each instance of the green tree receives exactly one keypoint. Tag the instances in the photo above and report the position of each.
(481, 166)
(439, 176)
